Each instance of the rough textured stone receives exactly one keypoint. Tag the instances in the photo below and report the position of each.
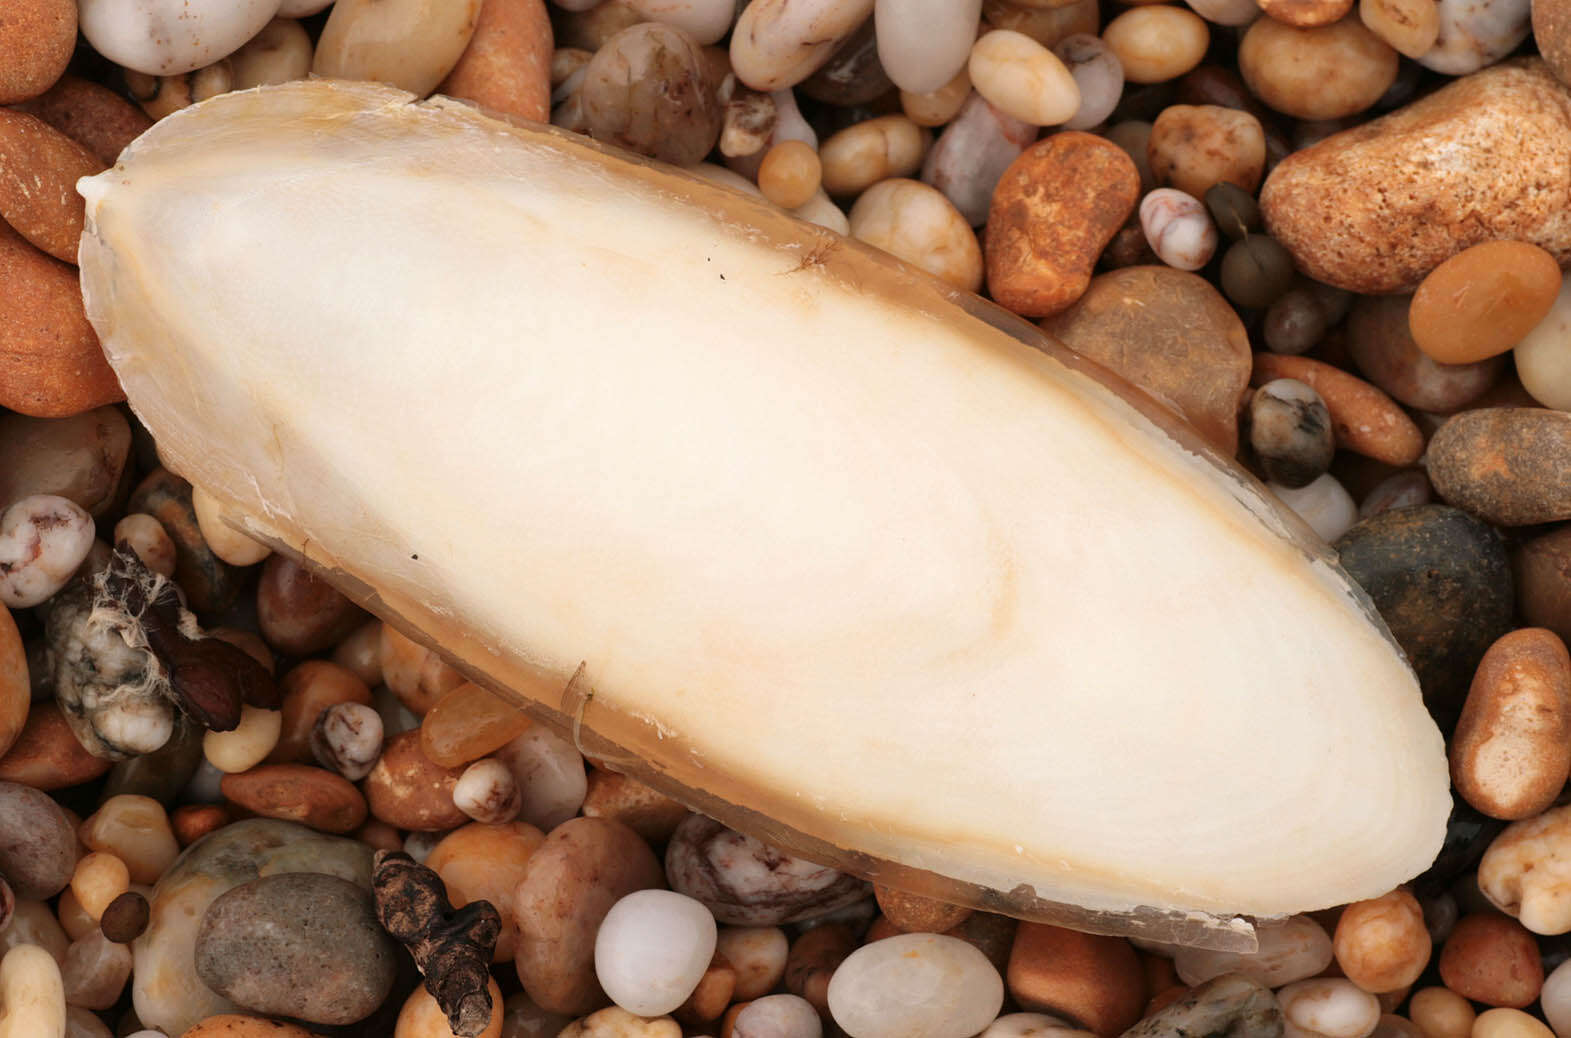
(39, 168)
(507, 65)
(94, 116)
(1510, 465)
(1231, 1006)
(1170, 333)
(36, 40)
(1371, 210)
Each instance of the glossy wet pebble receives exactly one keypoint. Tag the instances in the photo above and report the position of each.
(915, 986)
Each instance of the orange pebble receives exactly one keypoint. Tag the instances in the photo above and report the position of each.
(1483, 301)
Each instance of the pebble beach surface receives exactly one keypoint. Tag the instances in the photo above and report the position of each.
(1328, 234)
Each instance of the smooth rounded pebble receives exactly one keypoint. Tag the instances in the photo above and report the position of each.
(1323, 503)
(1290, 432)
(1483, 301)
(1510, 465)
(915, 985)
(652, 949)
(411, 44)
(1178, 228)
(1022, 78)
(1543, 355)
(745, 881)
(1381, 346)
(1526, 872)
(1091, 979)
(170, 37)
(1326, 72)
(1156, 44)
(915, 222)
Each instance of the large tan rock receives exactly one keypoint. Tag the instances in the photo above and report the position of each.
(1376, 208)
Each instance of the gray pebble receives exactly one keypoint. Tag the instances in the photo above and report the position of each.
(301, 944)
(1230, 1006)
(37, 843)
(1290, 431)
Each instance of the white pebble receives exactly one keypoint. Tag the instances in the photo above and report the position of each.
(821, 209)
(1555, 998)
(706, 21)
(43, 539)
(487, 792)
(1097, 73)
(1179, 229)
(550, 774)
(1475, 33)
(778, 1016)
(1023, 78)
(779, 43)
(1543, 357)
(168, 37)
(915, 985)
(1324, 504)
(1292, 949)
(1030, 1025)
(922, 44)
(347, 738)
(1328, 1007)
(653, 949)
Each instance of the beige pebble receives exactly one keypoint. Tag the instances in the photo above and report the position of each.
(624, 799)
(280, 53)
(1509, 1023)
(307, 689)
(416, 675)
(507, 65)
(1329, 1007)
(1306, 14)
(1365, 420)
(99, 878)
(162, 96)
(1022, 78)
(37, 38)
(1526, 872)
(39, 168)
(1441, 1013)
(915, 222)
(1511, 751)
(1408, 27)
(861, 155)
(480, 862)
(779, 43)
(1157, 44)
(136, 830)
(1178, 228)
(616, 1022)
(246, 745)
(1382, 944)
(235, 1025)
(1322, 73)
(412, 44)
(1543, 355)
(1194, 147)
(228, 543)
(147, 537)
(939, 106)
(757, 954)
(421, 1017)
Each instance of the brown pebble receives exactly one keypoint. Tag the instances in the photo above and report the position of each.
(1509, 465)
(1365, 420)
(881, 929)
(379, 835)
(1511, 752)
(1382, 944)
(1370, 210)
(652, 815)
(1492, 959)
(1543, 581)
(233, 1025)
(51, 365)
(1552, 34)
(308, 689)
(125, 917)
(210, 584)
(507, 65)
(1382, 347)
(416, 675)
(407, 790)
(1093, 980)
(1483, 301)
(1053, 212)
(1306, 14)
(37, 38)
(191, 822)
(46, 754)
(913, 913)
(298, 612)
(39, 168)
(813, 959)
(15, 685)
(1195, 147)
(94, 116)
(1193, 353)
(711, 997)
(313, 797)
(989, 933)
(1323, 72)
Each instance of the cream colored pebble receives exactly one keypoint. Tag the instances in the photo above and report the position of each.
(1441, 1013)
(922, 42)
(82, 1023)
(1331, 1007)
(1526, 872)
(758, 956)
(164, 95)
(937, 107)
(1555, 999)
(74, 919)
(1226, 12)
(1543, 357)
(616, 1022)
(147, 537)
(1022, 78)
(778, 43)
(1156, 44)
(915, 222)
(860, 156)
(1290, 950)
(227, 543)
(247, 744)
(820, 209)
(34, 923)
(99, 879)
(412, 44)
(1408, 27)
(95, 971)
(32, 997)
(488, 793)
(280, 53)
(421, 1017)
(1509, 1023)
(136, 830)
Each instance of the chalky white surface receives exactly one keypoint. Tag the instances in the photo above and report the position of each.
(653, 949)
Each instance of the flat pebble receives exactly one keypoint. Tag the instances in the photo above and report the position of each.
(971, 155)
(923, 43)
(169, 37)
(1483, 301)
(1229, 1004)
(1381, 345)
(1318, 73)
(1508, 1023)
(855, 76)
(1023, 79)
(37, 38)
(1194, 354)
(46, 754)
(1492, 959)
(39, 168)
(1370, 211)
(652, 949)
(915, 222)
(1195, 147)
(1473, 35)
(1256, 271)
(779, 43)
(1382, 944)
(412, 44)
(1178, 227)
(744, 881)
(1365, 420)
(915, 986)
(1506, 464)
(1526, 871)
(1094, 980)
(37, 842)
(1157, 44)
(1441, 581)
(1290, 432)
(313, 797)
(1328, 1006)
(301, 944)
(1054, 210)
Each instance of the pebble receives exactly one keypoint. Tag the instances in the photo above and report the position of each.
(1551, 25)
(913, 913)
(861, 155)
(166, 990)
(310, 796)
(570, 882)
(1157, 44)
(37, 38)
(1505, 464)
(1023, 79)
(915, 985)
(1235, 210)
(415, 674)
(1441, 1013)
(479, 862)
(1096, 981)
(228, 543)
(1441, 581)
(1054, 210)
(81, 458)
(1543, 581)
(1381, 345)
(1178, 228)
(1473, 35)
(1382, 944)
(43, 539)
(937, 107)
(14, 683)
(1555, 999)
(757, 955)
(1365, 420)
(707, 21)
(411, 44)
(972, 154)
(790, 174)
(621, 798)
(1526, 869)
(778, 43)
(1194, 353)
(1133, 137)
(307, 690)
(421, 1017)
(280, 53)
(39, 168)
(234, 1025)
(648, 89)
(147, 539)
(1323, 503)
(778, 1016)
(616, 1022)
(550, 773)
(1195, 147)
(1290, 432)
(46, 754)
(37, 843)
(169, 37)
(1483, 301)
(1290, 950)
(409, 790)
(210, 584)
(467, 723)
(1370, 211)
(915, 222)
(348, 739)
(1306, 14)
(1326, 72)
(1402, 490)
(1098, 76)
(652, 949)
(298, 612)
(507, 65)
(51, 365)
(1328, 1006)
(487, 792)
(361, 652)
(247, 744)
(1492, 959)
(1230, 1004)
(1543, 355)
(923, 43)
(854, 76)
(301, 945)
(1509, 1023)
(1256, 271)
(1511, 752)
(744, 881)
(1046, 25)
(1410, 27)
(95, 971)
